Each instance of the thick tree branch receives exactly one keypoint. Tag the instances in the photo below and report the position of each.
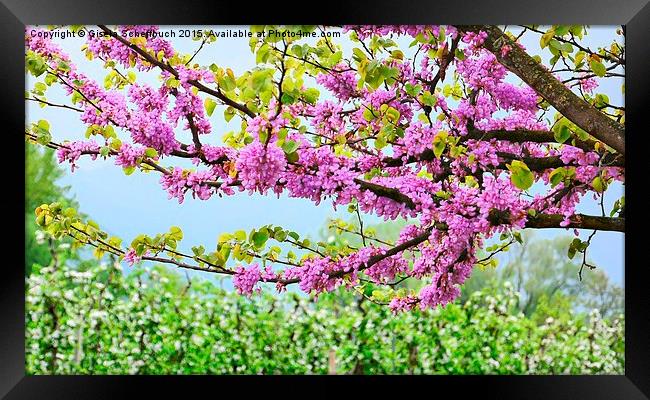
(550, 88)
(543, 163)
(514, 136)
(580, 221)
(384, 191)
(528, 136)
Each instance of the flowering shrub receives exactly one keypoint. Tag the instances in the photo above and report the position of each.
(96, 320)
(437, 133)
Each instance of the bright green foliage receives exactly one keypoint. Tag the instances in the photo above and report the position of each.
(41, 174)
(521, 175)
(96, 320)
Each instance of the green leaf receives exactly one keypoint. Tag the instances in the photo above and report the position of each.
(546, 38)
(290, 146)
(109, 132)
(172, 82)
(397, 54)
(151, 152)
(368, 114)
(262, 54)
(224, 237)
(572, 252)
(520, 175)
(210, 105)
(412, 90)
(228, 113)
(116, 144)
(380, 143)
(227, 82)
(42, 130)
(292, 157)
(225, 252)
(574, 247)
(428, 99)
(439, 143)
(198, 251)
(297, 50)
(565, 47)
(618, 206)
(261, 81)
(63, 66)
(601, 100)
(50, 79)
(393, 115)
(240, 235)
(557, 176)
(43, 124)
(562, 134)
(281, 236)
(175, 233)
(599, 184)
(335, 58)
(311, 95)
(358, 54)
(598, 68)
(259, 238)
(40, 88)
(561, 30)
(35, 65)
(287, 98)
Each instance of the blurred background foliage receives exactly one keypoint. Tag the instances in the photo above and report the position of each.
(530, 315)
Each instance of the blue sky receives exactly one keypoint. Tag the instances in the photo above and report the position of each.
(129, 205)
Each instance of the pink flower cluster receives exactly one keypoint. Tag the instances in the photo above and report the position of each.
(366, 31)
(131, 257)
(326, 119)
(588, 84)
(179, 181)
(342, 82)
(245, 279)
(259, 166)
(147, 124)
(322, 174)
(71, 151)
(107, 47)
(128, 155)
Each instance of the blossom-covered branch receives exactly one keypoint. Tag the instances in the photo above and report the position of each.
(565, 101)
(435, 135)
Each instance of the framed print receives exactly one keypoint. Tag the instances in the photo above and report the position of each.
(432, 193)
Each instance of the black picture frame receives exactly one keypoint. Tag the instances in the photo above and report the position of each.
(635, 15)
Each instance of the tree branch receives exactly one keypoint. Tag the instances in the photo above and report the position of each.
(546, 85)
(514, 136)
(166, 67)
(580, 221)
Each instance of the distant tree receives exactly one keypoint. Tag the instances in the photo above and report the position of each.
(41, 175)
(539, 269)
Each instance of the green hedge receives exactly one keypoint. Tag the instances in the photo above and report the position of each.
(96, 320)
